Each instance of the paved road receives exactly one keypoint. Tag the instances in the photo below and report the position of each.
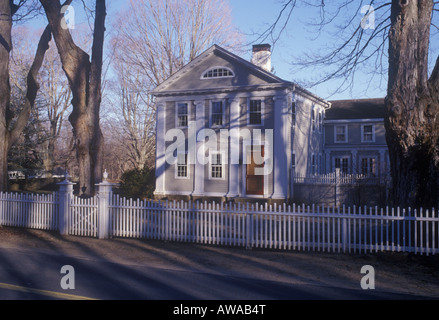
(37, 275)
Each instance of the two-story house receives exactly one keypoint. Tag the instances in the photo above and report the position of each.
(229, 128)
(355, 138)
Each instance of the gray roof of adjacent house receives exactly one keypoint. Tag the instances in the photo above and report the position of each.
(356, 109)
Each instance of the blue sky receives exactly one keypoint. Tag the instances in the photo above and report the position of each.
(254, 16)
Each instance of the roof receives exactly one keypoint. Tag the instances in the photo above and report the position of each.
(268, 80)
(356, 109)
(168, 85)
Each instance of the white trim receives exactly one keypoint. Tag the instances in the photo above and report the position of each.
(213, 68)
(345, 134)
(373, 133)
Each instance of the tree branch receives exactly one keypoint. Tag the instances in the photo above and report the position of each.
(32, 86)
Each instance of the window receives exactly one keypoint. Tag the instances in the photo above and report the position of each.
(255, 112)
(341, 134)
(182, 169)
(218, 72)
(293, 113)
(216, 113)
(216, 166)
(367, 133)
(182, 115)
(314, 165)
(313, 120)
(342, 164)
(368, 166)
(293, 161)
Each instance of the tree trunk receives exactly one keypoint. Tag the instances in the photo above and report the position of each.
(85, 82)
(10, 132)
(412, 105)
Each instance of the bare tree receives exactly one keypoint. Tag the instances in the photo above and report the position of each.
(398, 44)
(11, 127)
(85, 77)
(156, 38)
(54, 98)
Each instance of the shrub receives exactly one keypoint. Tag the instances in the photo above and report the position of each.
(138, 184)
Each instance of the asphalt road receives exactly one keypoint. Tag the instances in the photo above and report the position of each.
(37, 275)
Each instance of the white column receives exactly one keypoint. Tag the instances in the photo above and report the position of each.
(199, 167)
(234, 149)
(160, 149)
(280, 140)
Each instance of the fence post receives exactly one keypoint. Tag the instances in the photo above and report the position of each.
(337, 186)
(105, 190)
(65, 195)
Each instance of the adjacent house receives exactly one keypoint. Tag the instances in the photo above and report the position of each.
(228, 128)
(355, 138)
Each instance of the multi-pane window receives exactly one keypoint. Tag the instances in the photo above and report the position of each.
(255, 112)
(368, 166)
(217, 113)
(182, 171)
(216, 166)
(368, 134)
(342, 164)
(182, 114)
(218, 73)
(341, 134)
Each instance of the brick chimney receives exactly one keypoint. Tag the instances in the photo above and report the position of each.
(262, 56)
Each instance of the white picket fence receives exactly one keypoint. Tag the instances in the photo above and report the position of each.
(340, 178)
(306, 228)
(37, 211)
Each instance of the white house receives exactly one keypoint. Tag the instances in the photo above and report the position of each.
(228, 128)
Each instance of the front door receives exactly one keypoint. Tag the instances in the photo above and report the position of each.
(254, 181)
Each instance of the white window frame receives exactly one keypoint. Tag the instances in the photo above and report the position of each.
(362, 133)
(345, 133)
(176, 113)
(211, 164)
(216, 77)
(176, 176)
(223, 108)
(262, 111)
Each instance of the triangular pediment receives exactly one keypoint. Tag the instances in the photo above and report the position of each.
(240, 74)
